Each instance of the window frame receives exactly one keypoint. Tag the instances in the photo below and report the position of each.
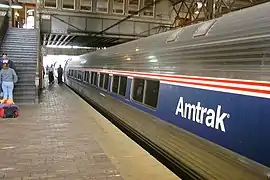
(119, 84)
(128, 7)
(144, 92)
(100, 80)
(108, 84)
(74, 6)
(92, 76)
(84, 75)
(81, 74)
(146, 9)
(48, 7)
(102, 11)
(91, 3)
(76, 73)
(123, 8)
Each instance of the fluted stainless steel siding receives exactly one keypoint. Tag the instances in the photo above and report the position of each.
(237, 46)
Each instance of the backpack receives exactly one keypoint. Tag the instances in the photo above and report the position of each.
(9, 111)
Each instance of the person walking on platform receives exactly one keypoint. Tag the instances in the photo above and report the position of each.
(51, 76)
(47, 70)
(59, 74)
(8, 77)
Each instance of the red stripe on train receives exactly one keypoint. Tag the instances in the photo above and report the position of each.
(221, 86)
(232, 81)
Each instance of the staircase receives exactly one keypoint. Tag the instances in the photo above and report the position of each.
(21, 47)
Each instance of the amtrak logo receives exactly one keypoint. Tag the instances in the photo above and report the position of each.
(199, 114)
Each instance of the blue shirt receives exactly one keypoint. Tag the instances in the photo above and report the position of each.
(8, 75)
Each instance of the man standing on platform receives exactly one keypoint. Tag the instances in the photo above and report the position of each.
(59, 74)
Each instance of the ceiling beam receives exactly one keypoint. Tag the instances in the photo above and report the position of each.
(49, 40)
(59, 40)
(54, 39)
(69, 40)
(64, 40)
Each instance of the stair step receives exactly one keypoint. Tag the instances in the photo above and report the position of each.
(26, 88)
(23, 72)
(24, 101)
(13, 43)
(21, 29)
(20, 51)
(23, 62)
(21, 32)
(21, 40)
(26, 92)
(29, 57)
(20, 36)
(26, 85)
(26, 40)
(29, 69)
(11, 47)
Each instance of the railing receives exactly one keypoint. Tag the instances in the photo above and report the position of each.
(3, 28)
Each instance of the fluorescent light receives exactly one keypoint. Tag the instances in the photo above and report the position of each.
(16, 6)
(151, 57)
(153, 60)
(4, 4)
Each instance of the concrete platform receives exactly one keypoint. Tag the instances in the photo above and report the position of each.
(65, 138)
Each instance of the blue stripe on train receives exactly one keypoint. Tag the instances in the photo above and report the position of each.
(246, 129)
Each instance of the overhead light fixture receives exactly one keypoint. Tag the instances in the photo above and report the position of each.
(151, 57)
(16, 5)
(153, 60)
(4, 4)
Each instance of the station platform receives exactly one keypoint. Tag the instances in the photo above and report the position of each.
(63, 137)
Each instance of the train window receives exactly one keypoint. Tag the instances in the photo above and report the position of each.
(95, 79)
(138, 89)
(204, 28)
(115, 84)
(123, 85)
(86, 76)
(151, 94)
(101, 78)
(92, 78)
(80, 75)
(106, 81)
(72, 73)
(75, 73)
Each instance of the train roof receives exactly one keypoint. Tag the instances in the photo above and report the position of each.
(228, 26)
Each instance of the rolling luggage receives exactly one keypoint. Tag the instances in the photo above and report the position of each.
(9, 110)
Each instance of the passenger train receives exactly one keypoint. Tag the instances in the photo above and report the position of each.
(211, 79)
